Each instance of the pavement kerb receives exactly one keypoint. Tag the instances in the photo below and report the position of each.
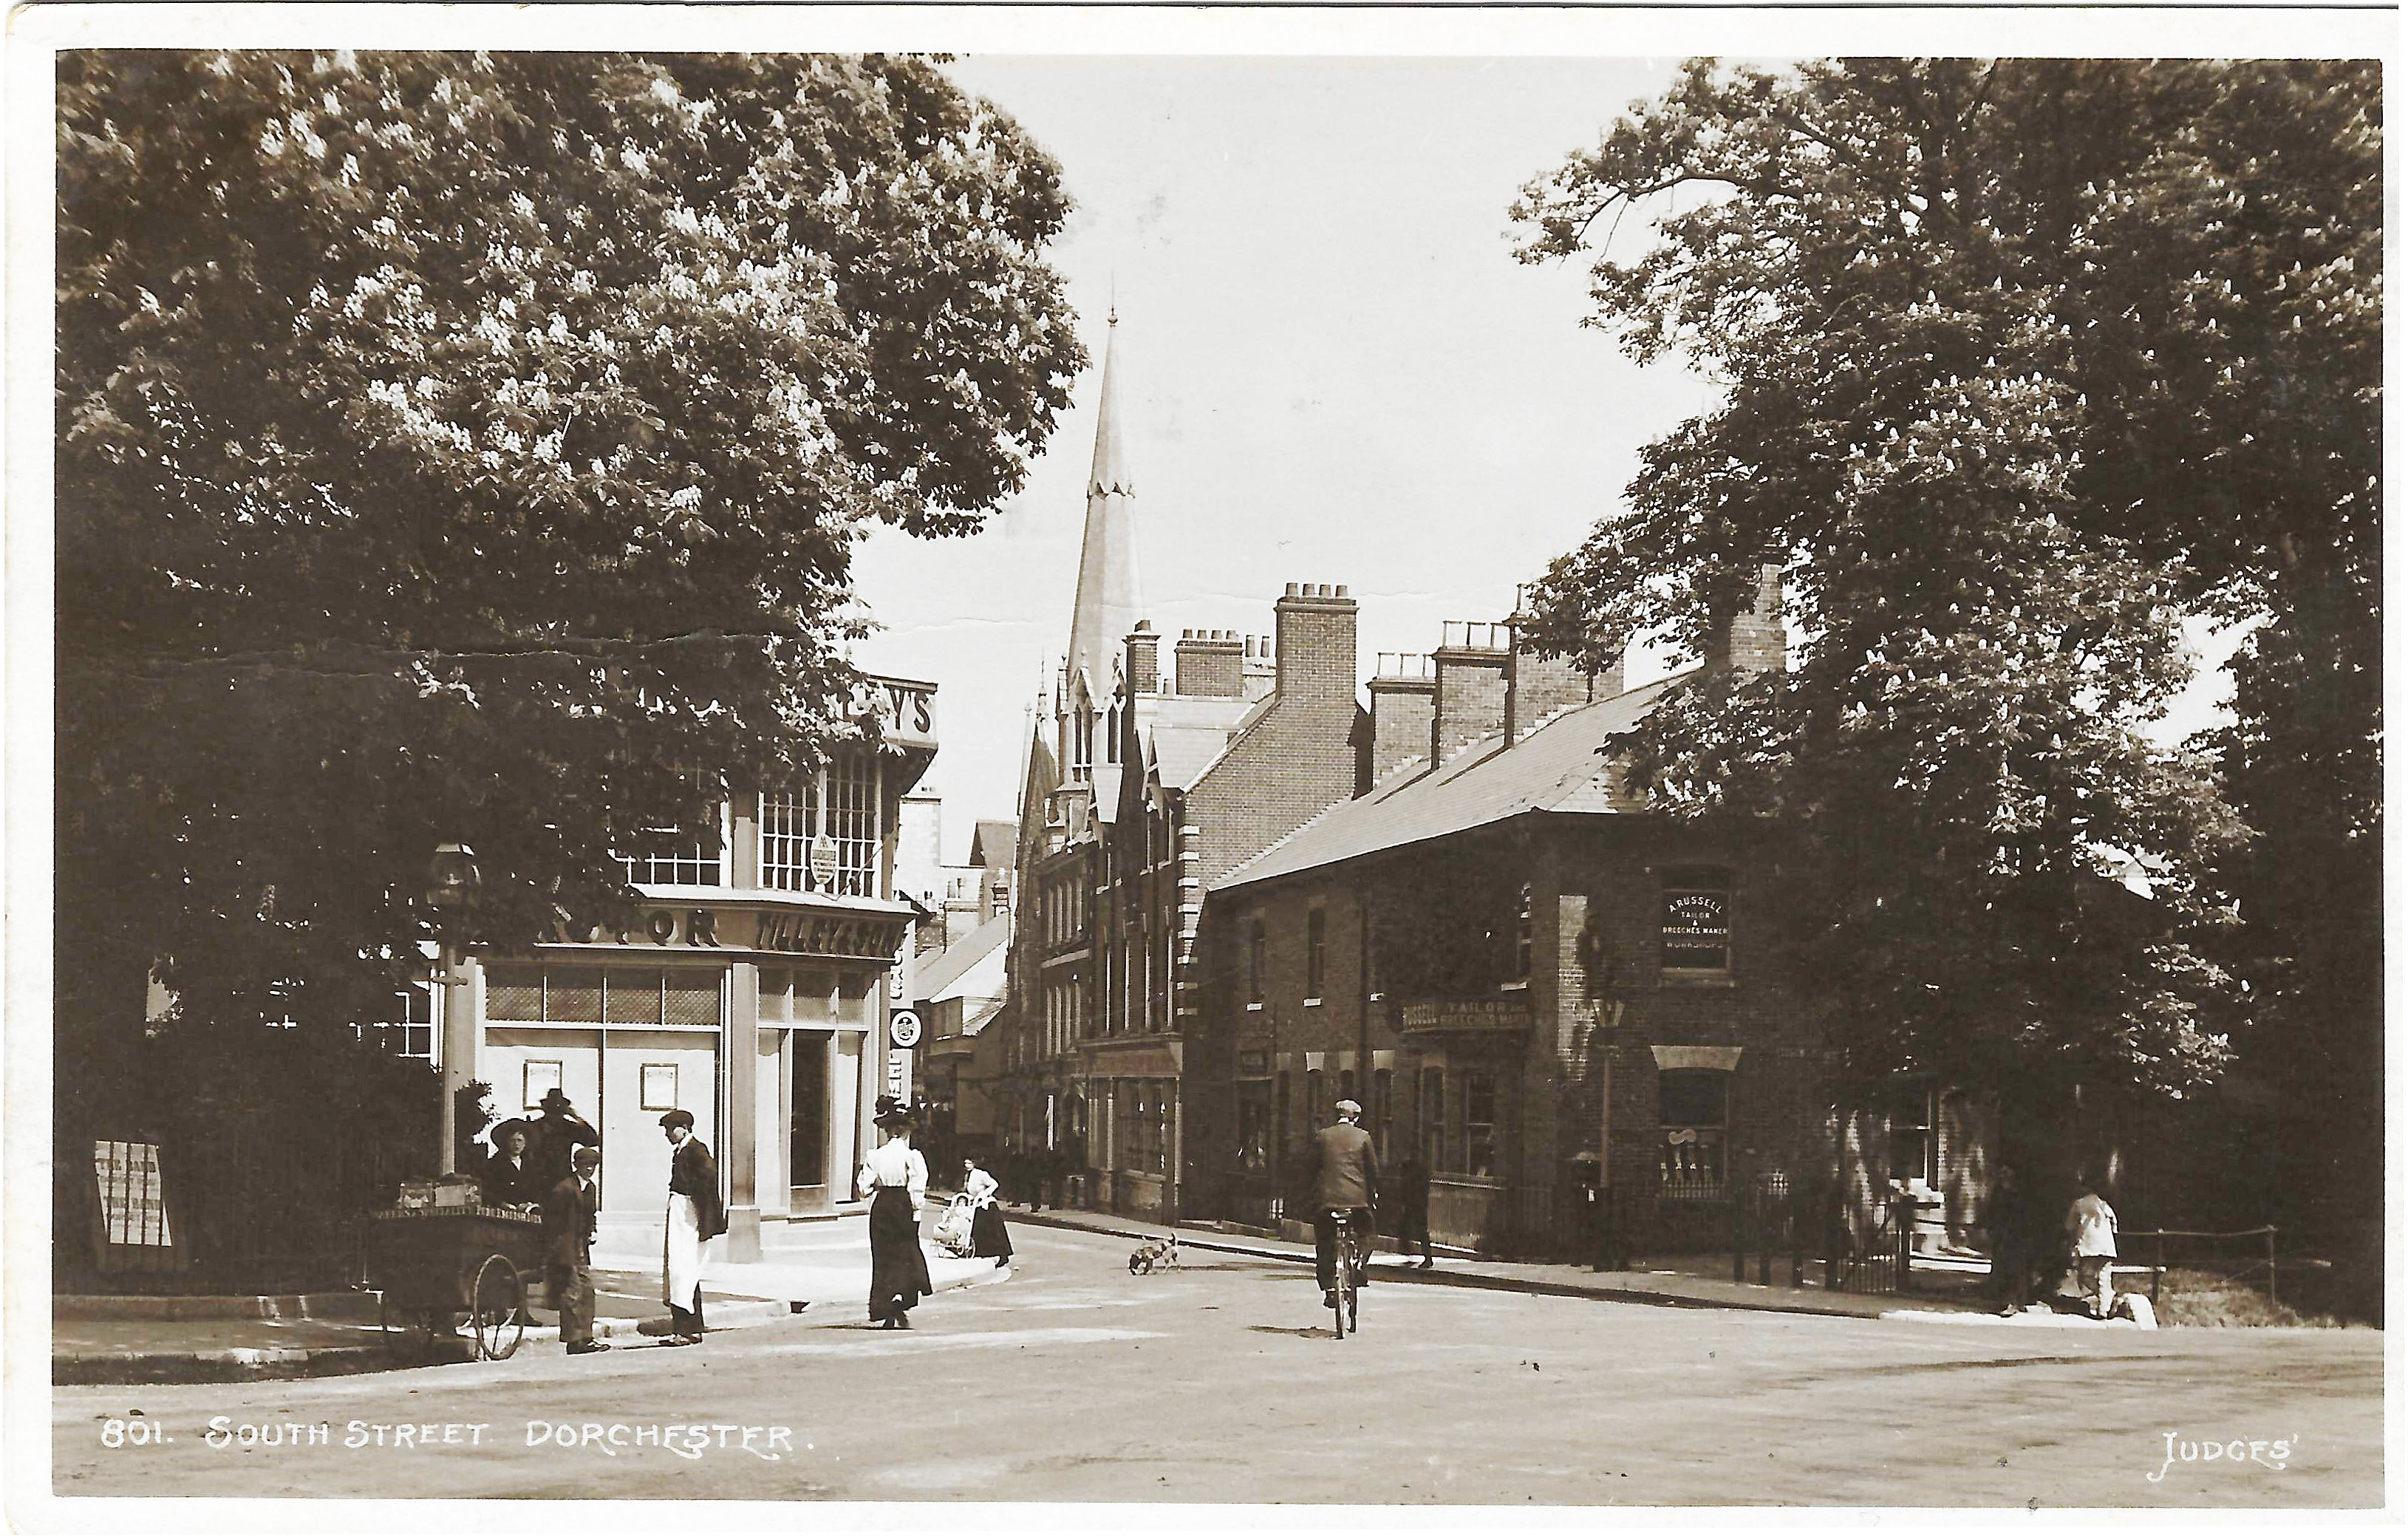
(1473, 1279)
(252, 1364)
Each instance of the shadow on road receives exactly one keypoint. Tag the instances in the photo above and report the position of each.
(1316, 1333)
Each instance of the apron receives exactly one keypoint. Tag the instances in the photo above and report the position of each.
(682, 1253)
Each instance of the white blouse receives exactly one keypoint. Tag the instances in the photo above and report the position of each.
(980, 1186)
(897, 1165)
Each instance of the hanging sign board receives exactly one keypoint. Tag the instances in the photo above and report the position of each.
(903, 1029)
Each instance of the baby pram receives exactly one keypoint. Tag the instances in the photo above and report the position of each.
(953, 1230)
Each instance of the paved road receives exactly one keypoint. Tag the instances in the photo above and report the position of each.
(1075, 1381)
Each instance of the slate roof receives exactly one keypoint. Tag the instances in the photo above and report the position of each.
(995, 842)
(936, 979)
(1553, 768)
(1189, 734)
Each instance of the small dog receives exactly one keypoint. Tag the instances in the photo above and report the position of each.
(1162, 1251)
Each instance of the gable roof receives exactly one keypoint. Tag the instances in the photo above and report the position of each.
(1555, 768)
(993, 843)
(1189, 735)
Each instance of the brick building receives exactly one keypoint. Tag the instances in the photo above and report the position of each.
(1144, 782)
(1519, 969)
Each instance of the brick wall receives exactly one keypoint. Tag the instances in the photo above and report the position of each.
(1298, 759)
(1470, 700)
(1401, 709)
(1212, 664)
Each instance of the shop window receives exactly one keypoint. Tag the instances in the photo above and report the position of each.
(1693, 1113)
(1316, 953)
(631, 997)
(1254, 962)
(513, 994)
(1480, 1124)
(573, 996)
(1697, 919)
(690, 998)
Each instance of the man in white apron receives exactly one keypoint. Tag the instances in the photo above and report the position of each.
(695, 1217)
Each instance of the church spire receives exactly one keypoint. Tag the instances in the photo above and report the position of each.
(1107, 605)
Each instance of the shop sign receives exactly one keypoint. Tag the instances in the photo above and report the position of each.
(1469, 1016)
(811, 933)
(898, 1074)
(903, 1029)
(906, 712)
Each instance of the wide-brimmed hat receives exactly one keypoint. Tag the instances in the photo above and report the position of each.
(891, 1112)
(554, 1097)
(499, 1132)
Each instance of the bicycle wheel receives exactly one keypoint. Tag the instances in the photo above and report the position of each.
(1342, 1271)
(497, 1307)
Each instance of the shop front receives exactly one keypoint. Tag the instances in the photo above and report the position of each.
(1133, 1114)
(752, 990)
(758, 1014)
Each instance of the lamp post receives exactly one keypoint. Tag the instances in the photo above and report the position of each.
(451, 884)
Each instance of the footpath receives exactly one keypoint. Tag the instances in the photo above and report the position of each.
(1943, 1290)
(807, 1266)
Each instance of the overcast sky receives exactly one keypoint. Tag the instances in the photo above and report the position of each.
(1332, 367)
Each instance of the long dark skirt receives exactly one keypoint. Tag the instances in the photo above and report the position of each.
(988, 1239)
(898, 1269)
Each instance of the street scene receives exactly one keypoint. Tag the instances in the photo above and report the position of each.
(1220, 1381)
(1229, 775)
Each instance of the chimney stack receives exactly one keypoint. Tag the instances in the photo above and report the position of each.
(1262, 674)
(1314, 648)
(1404, 698)
(1212, 664)
(1144, 659)
(1753, 641)
(1469, 702)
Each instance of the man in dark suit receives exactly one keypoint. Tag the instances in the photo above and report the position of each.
(1346, 1179)
(569, 1214)
(556, 1134)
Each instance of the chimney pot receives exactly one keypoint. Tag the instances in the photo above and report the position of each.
(1291, 589)
(1342, 589)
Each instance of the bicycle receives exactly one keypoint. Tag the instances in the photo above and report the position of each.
(1346, 1270)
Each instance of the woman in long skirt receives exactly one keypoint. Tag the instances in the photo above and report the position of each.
(988, 1239)
(898, 1178)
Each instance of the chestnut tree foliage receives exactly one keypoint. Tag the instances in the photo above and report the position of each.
(472, 448)
(2022, 362)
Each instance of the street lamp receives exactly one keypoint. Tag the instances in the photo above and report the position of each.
(452, 882)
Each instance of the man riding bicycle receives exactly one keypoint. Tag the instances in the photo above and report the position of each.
(1347, 1180)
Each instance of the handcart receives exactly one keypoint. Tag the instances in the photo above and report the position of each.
(430, 1264)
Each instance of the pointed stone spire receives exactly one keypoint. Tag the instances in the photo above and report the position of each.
(1107, 605)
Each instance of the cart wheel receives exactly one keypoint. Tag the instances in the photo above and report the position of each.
(497, 1308)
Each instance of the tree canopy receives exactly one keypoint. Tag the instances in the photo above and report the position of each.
(2023, 362)
(472, 448)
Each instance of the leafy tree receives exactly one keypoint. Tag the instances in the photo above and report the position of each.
(473, 446)
(2024, 360)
